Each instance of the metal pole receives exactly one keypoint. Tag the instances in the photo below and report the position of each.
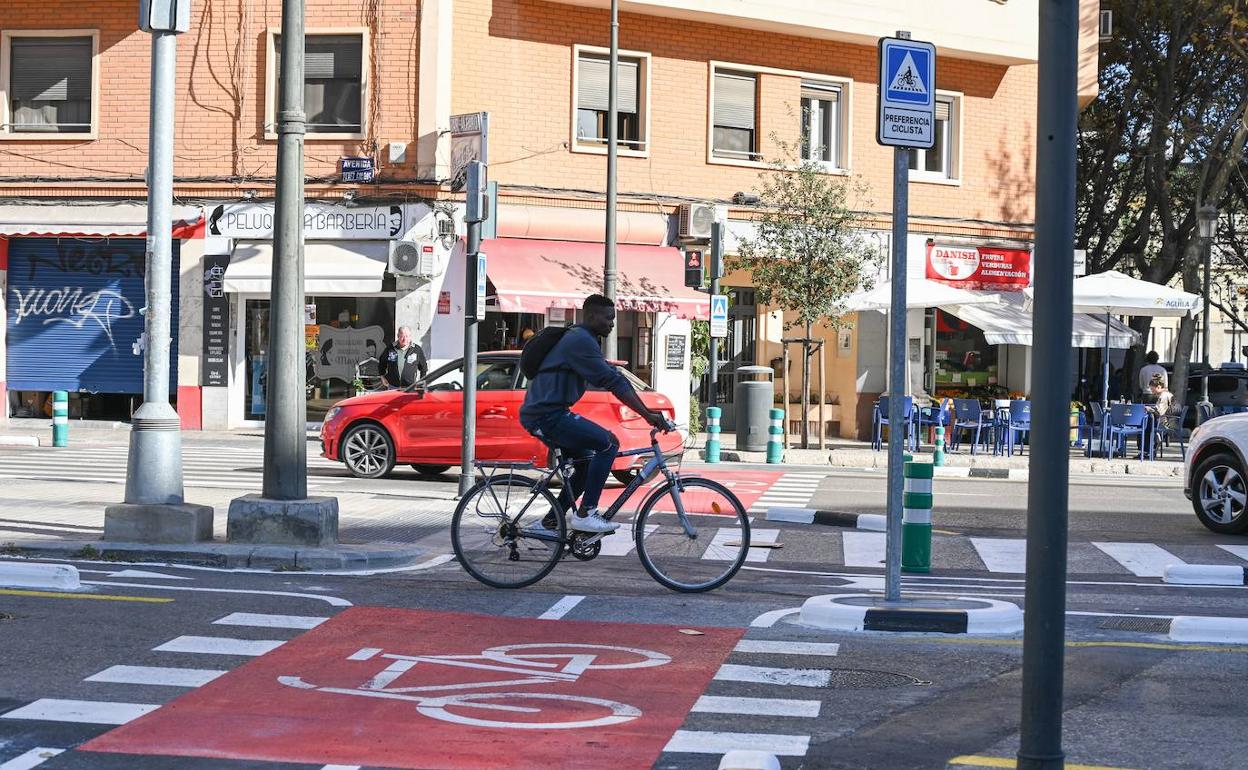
(717, 255)
(897, 370)
(1204, 339)
(608, 268)
(1040, 745)
(154, 468)
(473, 218)
(286, 410)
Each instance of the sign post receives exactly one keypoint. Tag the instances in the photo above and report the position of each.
(907, 121)
(474, 312)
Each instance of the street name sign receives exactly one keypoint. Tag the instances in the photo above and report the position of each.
(907, 94)
(719, 315)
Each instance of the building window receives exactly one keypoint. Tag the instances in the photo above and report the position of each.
(735, 135)
(821, 124)
(48, 86)
(333, 90)
(593, 71)
(941, 161)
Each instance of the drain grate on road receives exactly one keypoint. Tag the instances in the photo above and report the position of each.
(1146, 625)
(868, 679)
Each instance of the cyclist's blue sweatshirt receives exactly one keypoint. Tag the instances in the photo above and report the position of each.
(570, 364)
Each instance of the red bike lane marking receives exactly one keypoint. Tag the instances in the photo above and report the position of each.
(357, 691)
(748, 486)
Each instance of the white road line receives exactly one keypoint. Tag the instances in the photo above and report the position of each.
(1002, 554)
(219, 645)
(364, 654)
(863, 549)
(156, 675)
(1238, 550)
(270, 621)
(787, 648)
(561, 608)
(1142, 559)
(771, 707)
(622, 543)
(700, 742)
(769, 619)
(91, 712)
(795, 677)
(32, 758)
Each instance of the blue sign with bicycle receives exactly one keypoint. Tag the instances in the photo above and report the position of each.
(907, 93)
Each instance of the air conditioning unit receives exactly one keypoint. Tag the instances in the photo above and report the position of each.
(696, 220)
(417, 259)
(1107, 26)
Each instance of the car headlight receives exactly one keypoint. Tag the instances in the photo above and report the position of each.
(333, 412)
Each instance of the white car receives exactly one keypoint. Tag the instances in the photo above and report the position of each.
(1214, 476)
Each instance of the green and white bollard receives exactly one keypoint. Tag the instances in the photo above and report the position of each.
(916, 518)
(712, 433)
(938, 453)
(60, 418)
(775, 438)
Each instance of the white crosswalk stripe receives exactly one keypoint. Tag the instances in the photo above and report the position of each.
(1142, 559)
(81, 711)
(1002, 554)
(156, 675)
(791, 489)
(700, 742)
(863, 549)
(1238, 550)
(219, 645)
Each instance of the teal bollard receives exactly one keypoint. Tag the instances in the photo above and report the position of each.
(938, 454)
(60, 418)
(712, 433)
(775, 439)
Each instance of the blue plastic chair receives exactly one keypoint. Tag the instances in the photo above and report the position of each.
(1018, 425)
(931, 417)
(880, 421)
(1094, 426)
(1126, 420)
(1170, 426)
(969, 415)
(1204, 413)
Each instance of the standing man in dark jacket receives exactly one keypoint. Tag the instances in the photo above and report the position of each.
(576, 360)
(403, 362)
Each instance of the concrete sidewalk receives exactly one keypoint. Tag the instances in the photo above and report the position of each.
(37, 431)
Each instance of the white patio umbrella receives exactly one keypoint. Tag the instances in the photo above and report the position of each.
(920, 293)
(1114, 293)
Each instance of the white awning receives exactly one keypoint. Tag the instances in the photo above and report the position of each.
(920, 293)
(337, 267)
(96, 220)
(1010, 324)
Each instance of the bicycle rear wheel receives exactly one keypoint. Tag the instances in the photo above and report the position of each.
(495, 529)
(701, 559)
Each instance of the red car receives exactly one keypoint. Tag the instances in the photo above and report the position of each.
(422, 426)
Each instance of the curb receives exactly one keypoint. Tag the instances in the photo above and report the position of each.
(1191, 628)
(227, 555)
(58, 577)
(1206, 575)
(872, 521)
(19, 441)
(746, 759)
(869, 612)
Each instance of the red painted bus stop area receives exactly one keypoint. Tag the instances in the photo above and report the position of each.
(445, 691)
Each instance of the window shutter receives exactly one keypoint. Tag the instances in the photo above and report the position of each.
(822, 91)
(593, 84)
(50, 69)
(942, 109)
(734, 101)
(328, 57)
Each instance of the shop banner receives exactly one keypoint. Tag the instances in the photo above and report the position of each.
(340, 350)
(216, 337)
(979, 267)
(255, 221)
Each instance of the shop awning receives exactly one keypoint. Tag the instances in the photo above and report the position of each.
(97, 220)
(920, 293)
(340, 267)
(1009, 323)
(530, 276)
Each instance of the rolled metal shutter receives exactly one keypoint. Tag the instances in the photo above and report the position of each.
(73, 314)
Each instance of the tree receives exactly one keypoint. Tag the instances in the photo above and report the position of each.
(1165, 136)
(807, 253)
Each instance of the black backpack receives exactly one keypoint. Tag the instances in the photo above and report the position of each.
(538, 347)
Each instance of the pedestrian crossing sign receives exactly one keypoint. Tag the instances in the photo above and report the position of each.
(719, 315)
(907, 93)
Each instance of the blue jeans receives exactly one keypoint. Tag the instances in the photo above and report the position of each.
(591, 445)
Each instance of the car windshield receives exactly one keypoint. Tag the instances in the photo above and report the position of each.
(492, 374)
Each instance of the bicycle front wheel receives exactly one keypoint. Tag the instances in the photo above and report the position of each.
(498, 536)
(692, 535)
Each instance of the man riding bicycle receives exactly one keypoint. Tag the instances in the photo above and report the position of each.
(575, 360)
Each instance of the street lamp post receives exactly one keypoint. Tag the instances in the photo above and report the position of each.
(1207, 224)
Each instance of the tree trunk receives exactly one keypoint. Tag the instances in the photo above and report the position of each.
(1192, 264)
(806, 389)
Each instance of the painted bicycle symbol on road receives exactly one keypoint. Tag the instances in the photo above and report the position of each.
(465, 703)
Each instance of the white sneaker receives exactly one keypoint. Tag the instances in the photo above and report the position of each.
(591, 522)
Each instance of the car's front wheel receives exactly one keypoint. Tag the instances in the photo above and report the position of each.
(1220, 494)
(367, 451)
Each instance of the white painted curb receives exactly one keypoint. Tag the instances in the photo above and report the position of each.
(1204, 575)
(1187, 628)
(60, 577)
(872, 521)
(795, 515)
(952, 472)
(825, 612)
(1000, 618)
(19, 441)
(741, 759)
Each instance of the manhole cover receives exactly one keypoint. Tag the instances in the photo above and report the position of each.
(866, 679)
(1147, 625)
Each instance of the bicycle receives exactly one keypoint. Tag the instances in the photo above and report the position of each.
(497, 535)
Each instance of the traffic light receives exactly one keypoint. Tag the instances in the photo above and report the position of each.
(693, 268)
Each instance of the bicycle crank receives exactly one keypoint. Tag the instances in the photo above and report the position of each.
(586, 548)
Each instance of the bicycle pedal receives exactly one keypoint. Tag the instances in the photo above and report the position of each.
(595, 538)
